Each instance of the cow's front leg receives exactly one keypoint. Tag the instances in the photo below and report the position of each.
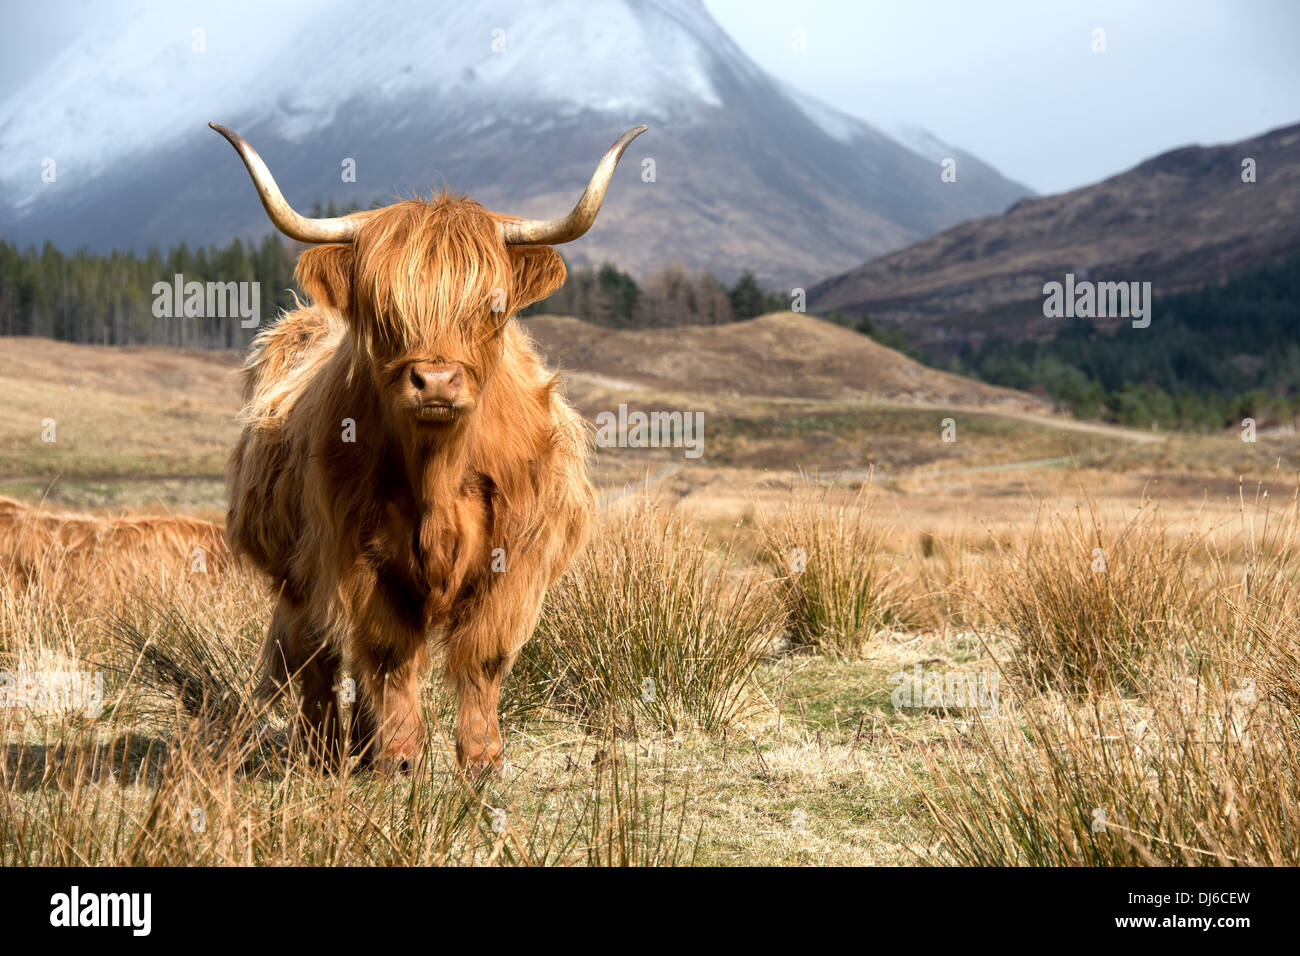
(391, 679)
(295, 652)
(479, 748)
(362, 732)
(481, 647)
(498, 617)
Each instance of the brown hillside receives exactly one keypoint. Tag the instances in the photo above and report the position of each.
(781, 355)
(168, 415)
(114, 414)
(141, 372)
(1179, 220)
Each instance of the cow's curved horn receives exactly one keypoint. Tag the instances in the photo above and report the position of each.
(550, 232)
(282, 214)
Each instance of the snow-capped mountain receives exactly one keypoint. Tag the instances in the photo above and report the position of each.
(512, 102)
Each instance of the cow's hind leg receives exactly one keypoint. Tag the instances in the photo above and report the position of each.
(320, 726)
(295, 653)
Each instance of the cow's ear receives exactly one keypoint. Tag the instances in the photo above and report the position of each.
(325, 274)
(539, 271)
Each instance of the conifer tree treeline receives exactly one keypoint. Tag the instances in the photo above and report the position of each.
(1211, 358)
(109, 299)
(669, 297)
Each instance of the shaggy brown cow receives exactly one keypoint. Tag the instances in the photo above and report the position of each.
(71, 555)
(408, 469)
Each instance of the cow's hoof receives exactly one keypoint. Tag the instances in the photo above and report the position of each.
(396, 766)
(483, 766)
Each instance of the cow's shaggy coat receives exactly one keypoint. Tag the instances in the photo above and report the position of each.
(386, 525)
(70, 554)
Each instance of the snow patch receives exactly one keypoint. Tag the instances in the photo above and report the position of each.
(136, 84)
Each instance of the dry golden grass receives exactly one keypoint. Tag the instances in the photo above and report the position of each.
(835, 585)
(1174, 740)
(653, 629)
(1162, 692)
(1091, 603)
(1157, 720)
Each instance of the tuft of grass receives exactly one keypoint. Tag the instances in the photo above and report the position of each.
(1091, 603)
(834, 582)
(1173, 743)
(1184, 776)
(653, 626)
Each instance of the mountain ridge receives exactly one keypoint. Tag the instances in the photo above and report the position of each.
(1181, 219)
(734, 174)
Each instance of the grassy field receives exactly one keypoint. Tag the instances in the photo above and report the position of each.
(1046, 642)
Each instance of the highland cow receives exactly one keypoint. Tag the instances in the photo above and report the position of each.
(71, 555)
(408, 472)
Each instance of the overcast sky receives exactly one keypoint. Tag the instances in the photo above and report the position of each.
(1013, 81)
(1016, 83)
